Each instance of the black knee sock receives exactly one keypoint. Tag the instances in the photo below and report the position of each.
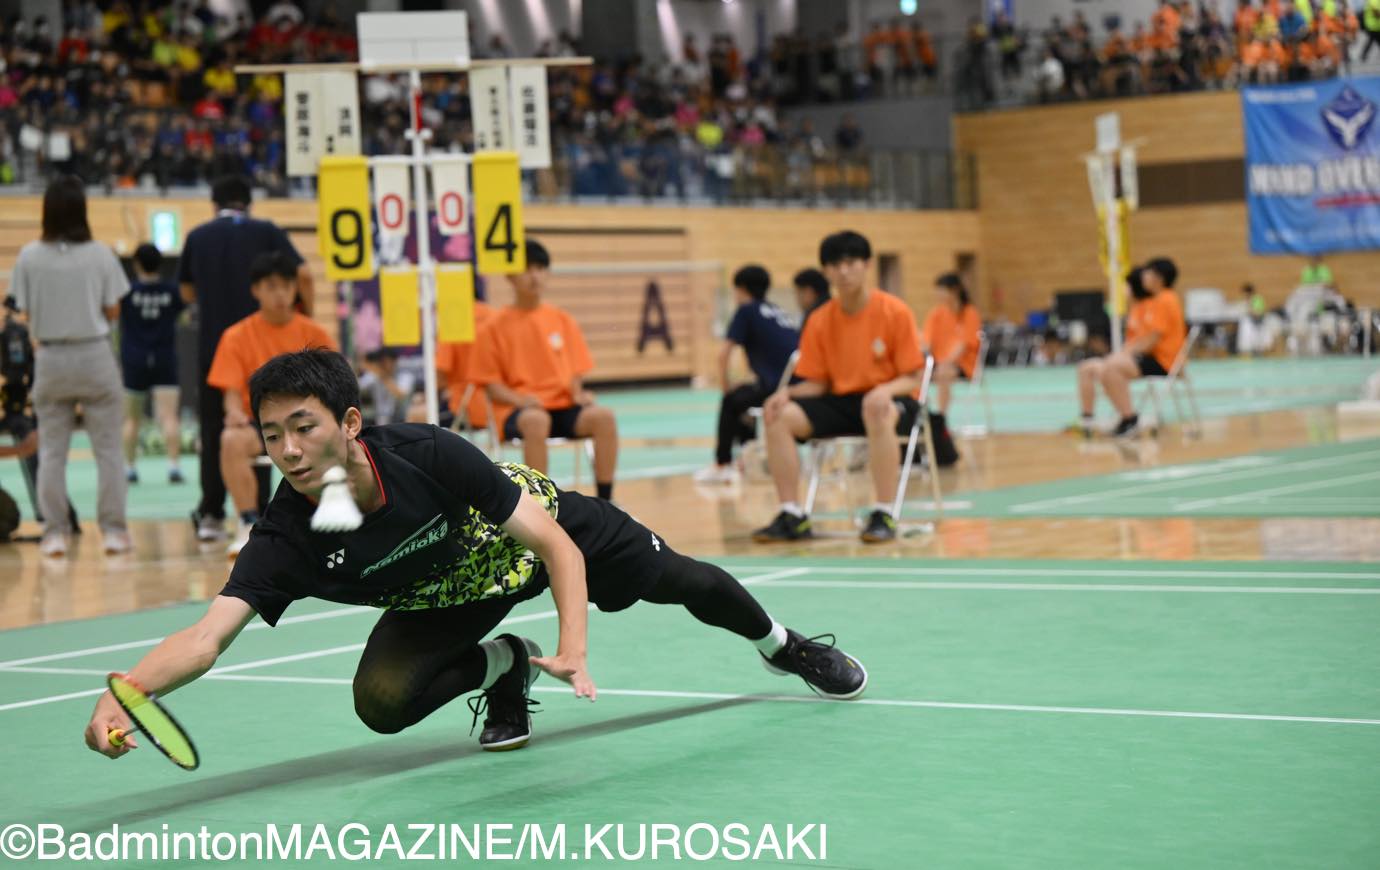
(712, 596)
(605, 490)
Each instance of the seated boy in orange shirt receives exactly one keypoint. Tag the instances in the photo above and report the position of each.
(860, 365)
(275, 328)
(453, 362)
(1155, 333)
(531, 358)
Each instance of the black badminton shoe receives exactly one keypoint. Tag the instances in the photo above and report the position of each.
(508, 724)
(827, 670)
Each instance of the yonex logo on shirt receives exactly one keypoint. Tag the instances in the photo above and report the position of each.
(878, 347)
(655, 543)
(433, 532)
(557, 342)
(335, 558)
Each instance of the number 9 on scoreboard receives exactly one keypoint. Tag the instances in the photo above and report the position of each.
(343, 227)
(500, 240)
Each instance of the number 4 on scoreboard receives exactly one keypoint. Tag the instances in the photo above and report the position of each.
(502, 248)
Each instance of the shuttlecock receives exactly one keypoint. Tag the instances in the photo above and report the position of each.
(337, 511)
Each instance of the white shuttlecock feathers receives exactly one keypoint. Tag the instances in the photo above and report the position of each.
(337, 511)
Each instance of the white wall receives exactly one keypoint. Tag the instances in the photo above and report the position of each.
(673, 19)
(523, 24)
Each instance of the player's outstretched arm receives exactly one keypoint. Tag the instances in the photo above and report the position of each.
(534, 528)
(176, 661)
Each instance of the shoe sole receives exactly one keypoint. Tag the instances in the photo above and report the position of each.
(766, 539)
(533, 672)
(874, 539)
(773, 669)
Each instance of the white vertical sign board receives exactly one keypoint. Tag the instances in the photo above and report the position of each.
(339, 100)
(1108, 127)
(322, 118)
(1130, 184)
(493, 126)
(450, 180)
(530, 127)
(302, 105)
(391, 199)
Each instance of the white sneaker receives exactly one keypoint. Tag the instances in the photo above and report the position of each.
(241, 538)
(208, 528)
(116, 541)
(54, 544)
(717, 474)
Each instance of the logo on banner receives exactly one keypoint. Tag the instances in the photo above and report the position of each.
(1348, 118)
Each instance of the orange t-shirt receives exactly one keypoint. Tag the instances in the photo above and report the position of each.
(1169, 18)
(944, 329)
(924, 47)
(1253, 54)
(854, 353)
(538, 352)
(253, 341)
(453, 361)
(1162, 313)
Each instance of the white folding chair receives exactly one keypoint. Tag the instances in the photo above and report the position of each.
(977, 387)
(1177, 377)
(820, 448)
(461, 424)
(580, 445)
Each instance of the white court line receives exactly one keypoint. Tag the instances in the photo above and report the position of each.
(1068, 587)
(1232, 475)
(154, 641)
(868, 702)
(1063, 572)
(259, 663)
(1277, 490)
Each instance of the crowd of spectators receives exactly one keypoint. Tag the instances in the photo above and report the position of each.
(1188, 47)
(146, 95)
(138, 93)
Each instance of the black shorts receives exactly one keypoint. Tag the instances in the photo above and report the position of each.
(1150, 367)
(146, 367)
(562, 423)
(831, 415)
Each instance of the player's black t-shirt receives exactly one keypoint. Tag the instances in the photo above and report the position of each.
(436, 541)
(148, 315)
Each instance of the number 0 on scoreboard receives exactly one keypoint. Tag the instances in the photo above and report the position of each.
(344, 227)
(500, 240)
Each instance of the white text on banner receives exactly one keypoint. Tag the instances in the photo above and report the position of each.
(391, 199)
(500, 240)
(493, 128)
(400, 306)
(343, 227)
(450, 177)
(454, 302)
(532, 133)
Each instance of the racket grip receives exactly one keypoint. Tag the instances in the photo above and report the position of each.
(116, 736)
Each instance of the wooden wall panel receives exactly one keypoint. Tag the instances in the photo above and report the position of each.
(1036, 222)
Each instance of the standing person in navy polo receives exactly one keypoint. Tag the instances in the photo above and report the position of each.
(214, 273)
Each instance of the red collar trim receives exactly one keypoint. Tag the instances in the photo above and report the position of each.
(379, 480)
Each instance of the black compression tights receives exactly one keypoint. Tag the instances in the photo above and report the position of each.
(418, 660)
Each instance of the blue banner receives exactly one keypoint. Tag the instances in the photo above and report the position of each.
(1313, 166)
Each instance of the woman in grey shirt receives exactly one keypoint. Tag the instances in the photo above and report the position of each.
(70, 287)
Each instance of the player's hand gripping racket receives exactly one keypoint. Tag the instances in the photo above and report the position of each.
(154, 720)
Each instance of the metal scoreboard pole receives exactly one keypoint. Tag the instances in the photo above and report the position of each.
(414, 43)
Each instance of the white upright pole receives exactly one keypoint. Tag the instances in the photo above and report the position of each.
(426, 267)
